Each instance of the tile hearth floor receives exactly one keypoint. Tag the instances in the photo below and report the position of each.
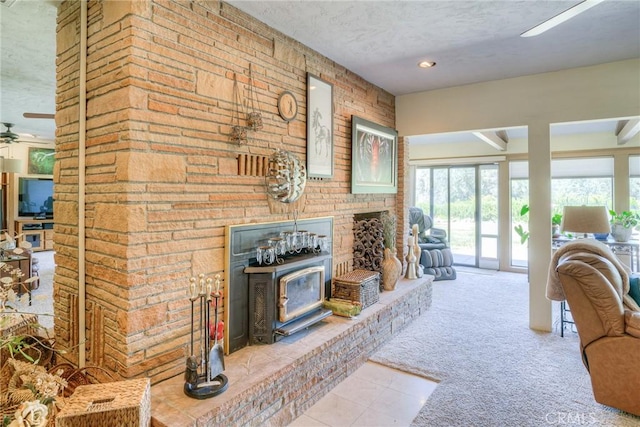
(374, 395)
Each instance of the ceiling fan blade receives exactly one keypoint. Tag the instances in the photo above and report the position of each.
(38, 116)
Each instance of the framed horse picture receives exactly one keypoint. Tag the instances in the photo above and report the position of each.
(319, 128)
(374, 157)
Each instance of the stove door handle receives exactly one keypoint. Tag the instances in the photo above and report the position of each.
(283, 301)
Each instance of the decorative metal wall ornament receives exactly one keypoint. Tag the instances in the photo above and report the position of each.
(254, 118)
(238, 132)
(286, 176)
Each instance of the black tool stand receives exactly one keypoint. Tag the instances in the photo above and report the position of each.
(204, 390)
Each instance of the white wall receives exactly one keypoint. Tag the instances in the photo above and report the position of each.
(589, 93)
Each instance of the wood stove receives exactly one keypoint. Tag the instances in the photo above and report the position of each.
(286, 298)
(241, 242)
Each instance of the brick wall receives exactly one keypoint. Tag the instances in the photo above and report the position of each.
(162, 176)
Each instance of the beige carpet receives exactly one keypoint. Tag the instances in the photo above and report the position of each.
(493, 370)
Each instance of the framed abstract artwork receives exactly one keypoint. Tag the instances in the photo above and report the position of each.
(374, 157)
(41, 161)
(319, 128)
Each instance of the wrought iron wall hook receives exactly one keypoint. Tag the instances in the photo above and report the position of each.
(254, 118)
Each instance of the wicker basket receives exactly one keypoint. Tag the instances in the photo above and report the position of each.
(18, 324)
(117, 404)
(361, 286)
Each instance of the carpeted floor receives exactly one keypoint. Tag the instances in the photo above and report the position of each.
(492, 369)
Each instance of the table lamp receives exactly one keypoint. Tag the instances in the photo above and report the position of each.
(585, 219)
(10, 165)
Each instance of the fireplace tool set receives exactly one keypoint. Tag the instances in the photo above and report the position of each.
(203, 375)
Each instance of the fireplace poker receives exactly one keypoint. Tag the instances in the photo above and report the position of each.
(191, 372)
(204, 364)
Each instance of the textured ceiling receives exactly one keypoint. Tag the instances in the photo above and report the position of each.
(471, 41)
(382, 41)
(27, 66)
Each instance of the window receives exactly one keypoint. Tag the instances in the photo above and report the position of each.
(634, 183)
(584, 181)
(423, 189)
(519, 188)
(574, 182)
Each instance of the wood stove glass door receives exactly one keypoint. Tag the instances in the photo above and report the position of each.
(300, 292)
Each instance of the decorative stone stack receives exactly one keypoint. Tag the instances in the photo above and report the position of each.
(368, 245)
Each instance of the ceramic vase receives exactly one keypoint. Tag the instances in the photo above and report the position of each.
(621, 233)
(391, 270)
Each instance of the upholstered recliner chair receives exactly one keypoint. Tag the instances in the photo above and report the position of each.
(596, 286)
(436, 257)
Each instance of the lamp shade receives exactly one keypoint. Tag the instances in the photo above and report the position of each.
(10, 165)
(585, 219)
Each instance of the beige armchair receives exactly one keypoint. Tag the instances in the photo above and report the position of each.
(596, 285)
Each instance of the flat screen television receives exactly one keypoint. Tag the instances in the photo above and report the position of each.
(35, 197)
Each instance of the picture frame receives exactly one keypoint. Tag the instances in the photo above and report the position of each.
(40, 161)
(374, 157)
(319, 128)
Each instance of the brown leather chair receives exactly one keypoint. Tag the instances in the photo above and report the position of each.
(596, 285)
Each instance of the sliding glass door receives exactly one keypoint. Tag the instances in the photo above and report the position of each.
(488, 201)
(463, 226)
(463, 201)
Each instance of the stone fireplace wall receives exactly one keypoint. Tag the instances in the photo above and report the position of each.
(162, 177)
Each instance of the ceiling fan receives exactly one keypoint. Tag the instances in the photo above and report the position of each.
(7, 136)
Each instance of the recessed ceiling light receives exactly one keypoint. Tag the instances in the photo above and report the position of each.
(426, 64)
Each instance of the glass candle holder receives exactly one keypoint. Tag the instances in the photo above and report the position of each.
(323, 242)
(266, 255)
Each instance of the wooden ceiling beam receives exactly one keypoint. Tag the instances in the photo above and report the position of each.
(497, 140)
(627, 130)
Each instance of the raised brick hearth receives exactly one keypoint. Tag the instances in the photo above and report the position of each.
(276, 383)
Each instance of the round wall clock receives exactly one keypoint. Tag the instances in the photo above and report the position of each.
(287, 106)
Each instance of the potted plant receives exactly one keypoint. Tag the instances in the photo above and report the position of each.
(556, 220)
(622, 224)
(524, 234)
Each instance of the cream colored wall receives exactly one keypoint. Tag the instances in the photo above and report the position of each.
(588, 93)
(537, 101)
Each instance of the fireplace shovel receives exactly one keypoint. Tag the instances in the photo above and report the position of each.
(216, 355)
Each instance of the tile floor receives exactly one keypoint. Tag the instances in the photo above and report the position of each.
(374, 395)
